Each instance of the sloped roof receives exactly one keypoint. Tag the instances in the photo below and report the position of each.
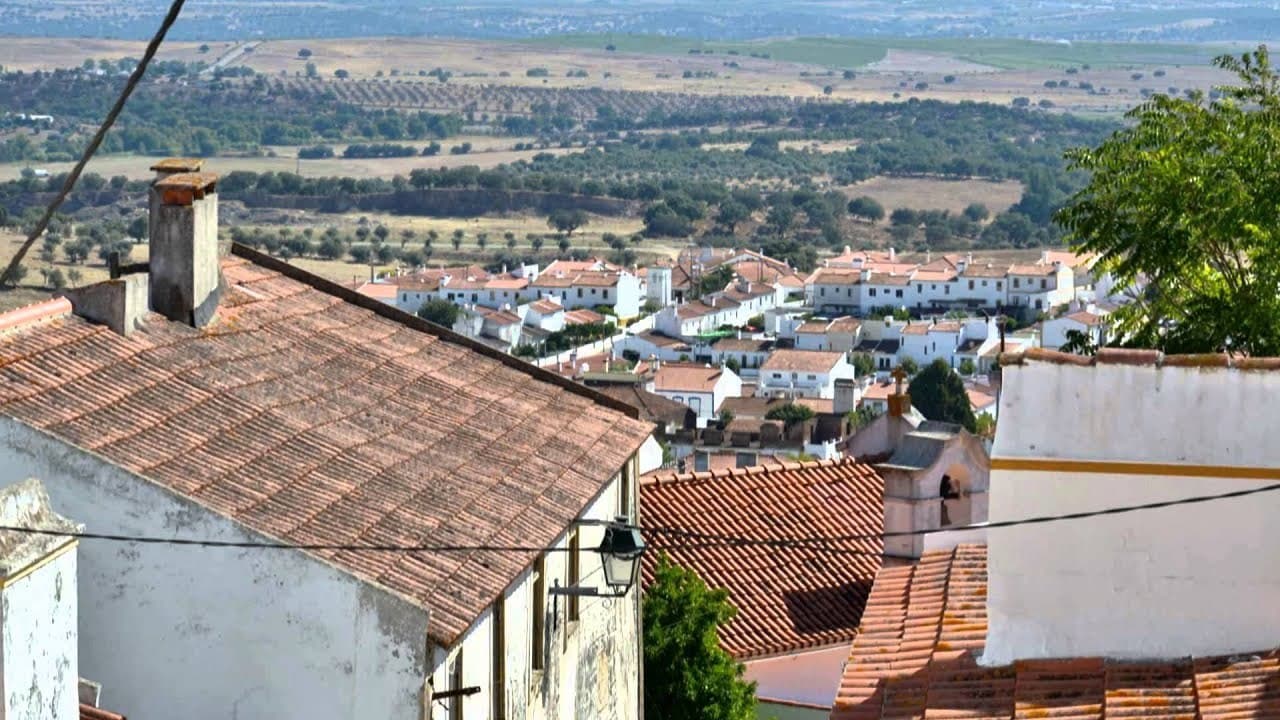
(925, 625)
(802, 360)
(653, 407)
(788, 599)
(686, 377)
(311, 414)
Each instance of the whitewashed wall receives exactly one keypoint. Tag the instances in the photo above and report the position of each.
(593, 664)
(804, 677)
(175, 631)
(38, 642)
(1190, 580)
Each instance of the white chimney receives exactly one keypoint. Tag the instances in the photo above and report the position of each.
(893, 255)
(186, 280)
(846, 396)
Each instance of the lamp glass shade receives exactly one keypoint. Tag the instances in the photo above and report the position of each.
(620, 553)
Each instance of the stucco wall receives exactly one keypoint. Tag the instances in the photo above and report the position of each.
(38, 643)
(1187, 580)
(805, 677)
(175, 631)
(592, 666)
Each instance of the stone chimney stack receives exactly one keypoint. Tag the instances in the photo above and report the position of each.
(185, 282)
(899, 401)
(846, 397)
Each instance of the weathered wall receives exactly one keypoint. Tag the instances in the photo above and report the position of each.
(175, 631)
(38, 643)
(592, 669)
(1159, 583)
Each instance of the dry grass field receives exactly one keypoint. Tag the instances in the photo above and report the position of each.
(937, 194)
(487, 152)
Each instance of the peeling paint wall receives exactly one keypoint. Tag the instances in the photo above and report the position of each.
(593, 665)
(38, 643)
(211, 632)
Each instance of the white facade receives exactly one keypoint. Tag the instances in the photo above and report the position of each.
(807, 678)
(1054, 332)
(658, 285)
(810, 383)
(590, 664)
(1188, 580)
(38, 611)
(705, 402)
(277, 634)
(625, 296)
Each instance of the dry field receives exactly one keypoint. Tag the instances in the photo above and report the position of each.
(487, 152)
(28, 54)
(937, 194)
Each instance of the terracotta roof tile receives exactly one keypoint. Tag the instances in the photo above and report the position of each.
(925, 625)
(312, 414)
(686, 377)
(801, 360)
(787, 598)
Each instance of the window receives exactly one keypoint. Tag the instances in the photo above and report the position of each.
(946, 289)
(813, 377)
(1017, 283)
(538, 644)
(475, 297)
(1039, 304)
(1044, 284)
(701, 462)
(455, 682)
(593, 291)
(898, 292)
(491, 294)
(678, 399)
(871, 292)
(971, 284)
(624, 490)
(695, 403)
(822, 292)
(746, 460)
(574, 570)
(498, 691)
(920, 288)
(450, 297)
(984, 283)
(777, 376)
(579, 292)
(999, 284)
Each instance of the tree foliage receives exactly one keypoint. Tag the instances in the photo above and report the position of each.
(687, 675)
(939, 394)
(440, 312)
(1183, 202)
(790, 414)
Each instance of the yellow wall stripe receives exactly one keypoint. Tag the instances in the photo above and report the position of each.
(1108, 467)
(43, 560)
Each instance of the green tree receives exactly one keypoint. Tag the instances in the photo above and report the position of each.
(456, 239)
(482, 239)
(1183, 200)
(1080, 343)
(566, 221)
(977, 212)
(733, 364)
(731, 214)
(563, 243)
(536, 241)
(687, 675)
(863, 364)
(440, 312)
(866, 207)
(909, 366)
(790, 414)
(939, 394)
(967, 367)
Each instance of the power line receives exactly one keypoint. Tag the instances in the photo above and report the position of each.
(701, 540)
(10, 273)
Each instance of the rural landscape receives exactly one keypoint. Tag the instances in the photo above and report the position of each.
(657, 360)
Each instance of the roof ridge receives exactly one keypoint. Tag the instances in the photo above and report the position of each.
(37, 312)
(382, 309)
(1142, 357)
(658, 478)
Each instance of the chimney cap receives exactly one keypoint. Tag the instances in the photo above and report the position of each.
(188, 181)
(178, 165)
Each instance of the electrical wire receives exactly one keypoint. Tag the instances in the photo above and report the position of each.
(700, 539)
(10, 273)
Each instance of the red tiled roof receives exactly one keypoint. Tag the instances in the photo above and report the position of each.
(985, 271)
(1085, 317)
(686, 377)
(380, 291)
(889, 278)
(582, 316)
(835, 276)
(89, 712)
(950, 326)
(788, 599)
(545, 307)
(1035, 270)
(925, 625)
(311, 414)
(802, 360)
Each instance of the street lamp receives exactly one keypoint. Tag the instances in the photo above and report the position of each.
(620, 553)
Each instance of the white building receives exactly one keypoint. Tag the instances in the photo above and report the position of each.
(39, 657)
(803, 373)
(702, 387)
(1091, 324)
(591, 283)
(545, 314)
(1140, 428)
(842, 334)
(276, 408)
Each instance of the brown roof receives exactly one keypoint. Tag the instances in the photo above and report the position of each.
(1036, 269)
(499, 317)
(985, 271)
(686, 377)
(1136, 356)
(180, 165)
(545, 307)
(89, 712)
(934, 275)
(917, 328)
(656, 338)
(813, 327)
(582, 316)
(925, 625)
(311, 414)
(381, 291)
(835, 276)
(801, 360)
(845, 324)
(1085, 317)
(788, 598)
(733, 344)
(949, 326)
(882, 278)
(653, 407)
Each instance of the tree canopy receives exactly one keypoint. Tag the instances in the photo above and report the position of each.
(939, 394)
(687, 675)
(440, 312)
(1182, 203)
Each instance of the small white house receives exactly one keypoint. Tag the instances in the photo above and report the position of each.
(702, 387)
(1090, 324)
(803, 373)
(545, 314)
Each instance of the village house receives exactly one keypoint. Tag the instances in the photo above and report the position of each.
(749, 352)
(842, 334)
(1090, 323)
(589, 284)
(797, 609)
(653, 344)
(701, 387)
(803, 373)
(1153, 612)
(242, 399)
